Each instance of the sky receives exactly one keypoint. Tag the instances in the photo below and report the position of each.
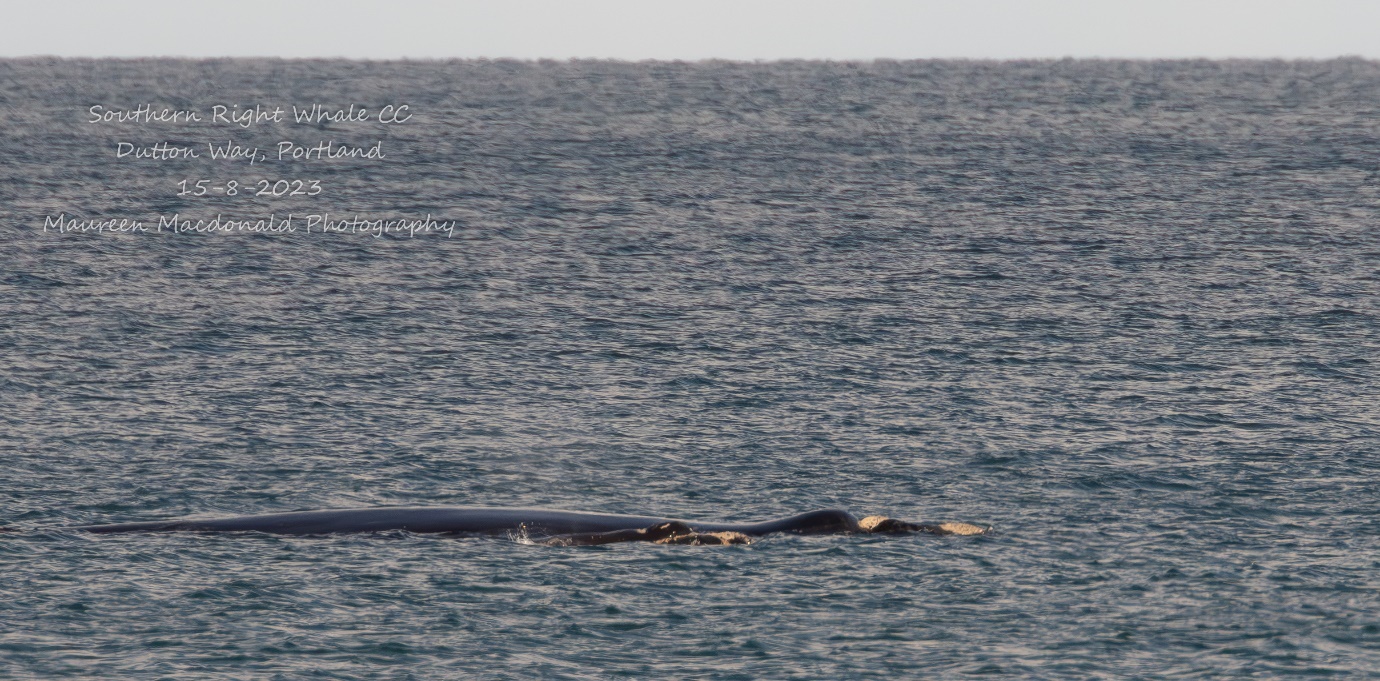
(695, 29)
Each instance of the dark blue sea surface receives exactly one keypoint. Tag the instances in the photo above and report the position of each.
(1126, 312)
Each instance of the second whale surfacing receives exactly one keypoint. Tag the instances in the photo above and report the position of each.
(543, 525)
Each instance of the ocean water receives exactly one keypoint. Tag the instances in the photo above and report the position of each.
(1125, 312)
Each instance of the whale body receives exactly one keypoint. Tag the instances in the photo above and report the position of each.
(478, 520)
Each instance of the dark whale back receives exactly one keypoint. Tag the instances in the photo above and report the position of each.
(475, 520)
(826, 521)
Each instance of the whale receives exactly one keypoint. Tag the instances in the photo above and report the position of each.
(547, 525)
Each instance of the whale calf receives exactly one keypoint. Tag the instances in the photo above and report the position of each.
(548, 525)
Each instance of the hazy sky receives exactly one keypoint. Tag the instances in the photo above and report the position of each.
(694, 29)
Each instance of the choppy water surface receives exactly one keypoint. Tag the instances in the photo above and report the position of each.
(1124, 311)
